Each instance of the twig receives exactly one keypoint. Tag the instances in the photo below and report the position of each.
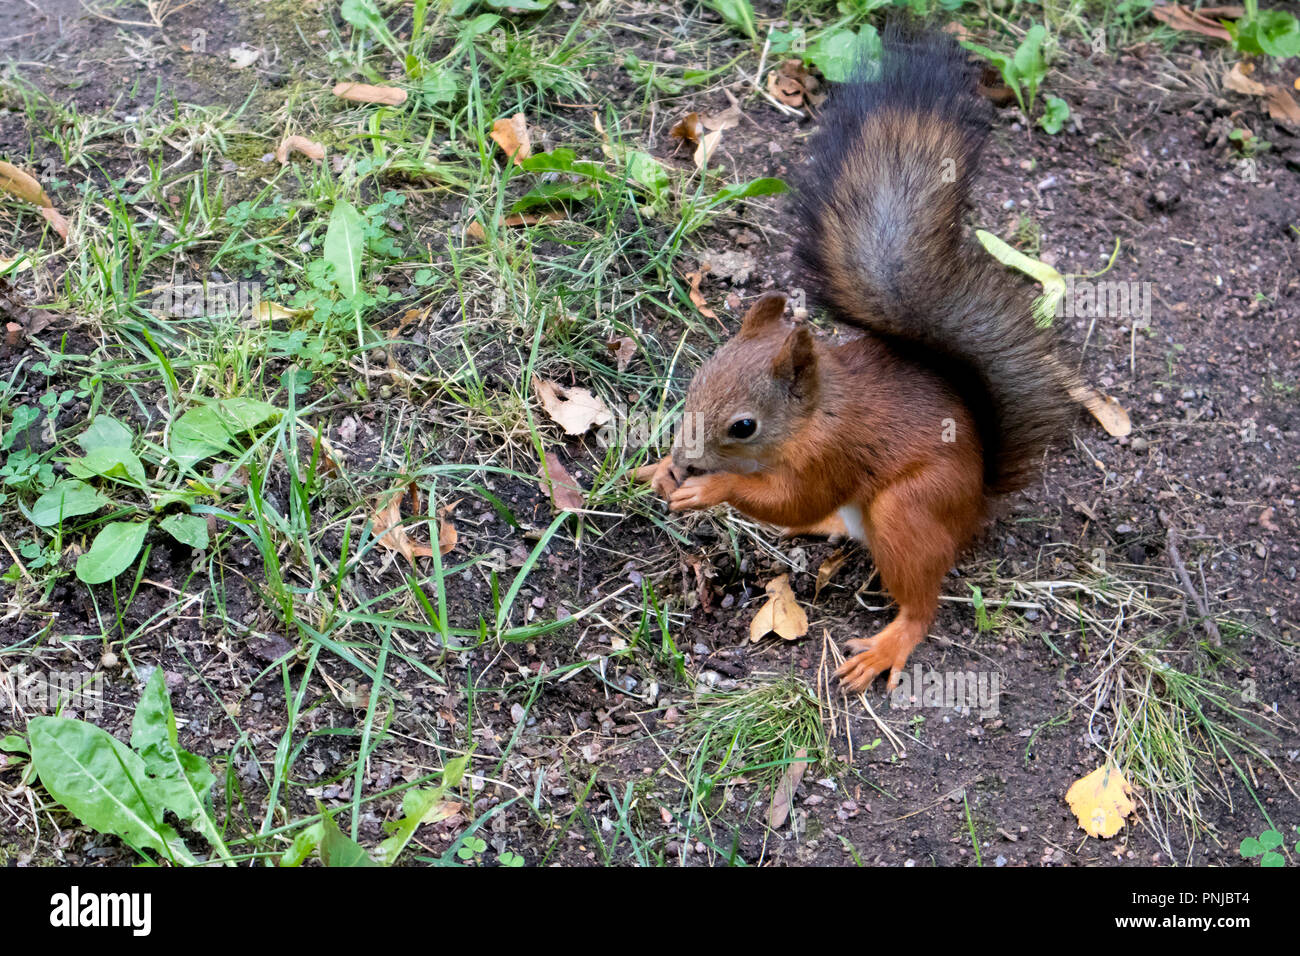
(1185, 579)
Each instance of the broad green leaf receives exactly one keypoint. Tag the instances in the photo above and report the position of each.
(102, 782)
(738, 14)
(479, 25)
(1271, 32)
(112, 551)
(1028, 58)
(646, 171)
(304, 844)
(766, 186)
(842, 54)
(1250, 847)
(208, 429)
(105, 432)
(363, 15)
(565, 161)
(344, 240)
(336, 849)
(546, 194)
(183, 781)
(187, 529)
(68, 498)
(525, 5)
(119, 463)
(12, 743)
(439, 86)
(1055, 113)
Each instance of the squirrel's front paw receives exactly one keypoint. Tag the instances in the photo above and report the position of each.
(663, 476)
(701, 491)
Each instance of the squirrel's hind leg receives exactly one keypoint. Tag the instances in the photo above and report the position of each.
(915, 529)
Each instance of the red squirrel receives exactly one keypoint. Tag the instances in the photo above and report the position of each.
(901, 436)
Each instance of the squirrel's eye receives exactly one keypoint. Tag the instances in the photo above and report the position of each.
(744, 428)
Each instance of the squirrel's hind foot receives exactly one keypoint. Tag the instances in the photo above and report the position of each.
(873, 656)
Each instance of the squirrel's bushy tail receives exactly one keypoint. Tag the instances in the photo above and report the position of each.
(885, 250)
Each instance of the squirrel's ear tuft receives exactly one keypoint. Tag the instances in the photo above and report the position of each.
(796, 361)
(767, 310)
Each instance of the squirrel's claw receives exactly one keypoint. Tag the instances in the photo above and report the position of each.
(662, 476)
(887, 651)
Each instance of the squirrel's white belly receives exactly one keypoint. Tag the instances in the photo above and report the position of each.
(851, 515)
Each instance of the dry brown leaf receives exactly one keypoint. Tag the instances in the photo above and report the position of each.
(1100, 801)
(365, 93)
(534, 219)
(623, 348)
(1282, 107)
(447, 533)
(783, 795)
(475, 232)
(708, 145)
(1222, 13)
(781, 615)
(1238, 80)
(958, 31)
(512, 136)
(1108, 411)
(566, 494)
(576, 410)
(728, 118)
(298, 144)
(408, 317)
(688, 129)
(697, 297)
(24, 185)
(829, 568)
(442, 810)
(1179, 19)
(18, 183)
(792, 84)
(56, 221)
(386, 525)
(701, 571)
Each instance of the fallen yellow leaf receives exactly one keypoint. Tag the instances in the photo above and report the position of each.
(1101, 802)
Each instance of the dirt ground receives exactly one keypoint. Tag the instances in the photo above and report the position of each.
(590, 766)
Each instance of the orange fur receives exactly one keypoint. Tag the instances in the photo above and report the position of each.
(867, 431)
